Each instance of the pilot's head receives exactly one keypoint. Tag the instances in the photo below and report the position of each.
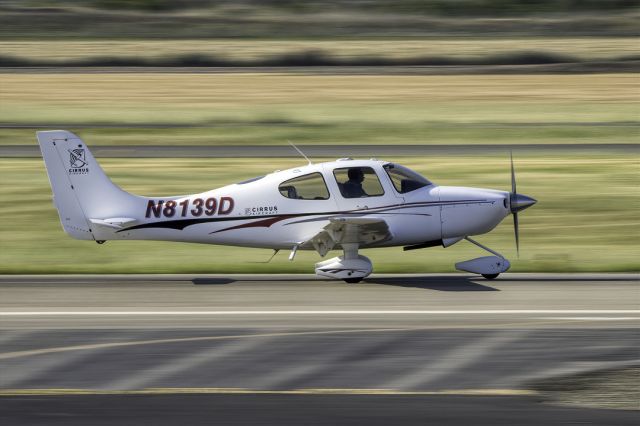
(355, 174)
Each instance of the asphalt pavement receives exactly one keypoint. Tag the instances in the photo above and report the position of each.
(293, 349)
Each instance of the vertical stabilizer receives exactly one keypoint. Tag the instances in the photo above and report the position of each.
(81, 190)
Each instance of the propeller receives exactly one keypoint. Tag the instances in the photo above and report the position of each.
(517, 202)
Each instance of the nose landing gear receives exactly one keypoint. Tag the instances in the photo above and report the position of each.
(488, 266)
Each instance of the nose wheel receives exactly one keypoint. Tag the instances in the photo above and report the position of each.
(490, 276)
(488, 266)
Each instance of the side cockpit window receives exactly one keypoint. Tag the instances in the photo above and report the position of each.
(358, 182)
(307, 187)
(404, 179)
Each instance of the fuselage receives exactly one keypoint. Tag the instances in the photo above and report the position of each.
(346, 205)
(284, 208)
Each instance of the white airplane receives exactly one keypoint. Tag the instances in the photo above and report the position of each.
(345, 204)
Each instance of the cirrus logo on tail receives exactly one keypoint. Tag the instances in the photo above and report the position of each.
(77, 162)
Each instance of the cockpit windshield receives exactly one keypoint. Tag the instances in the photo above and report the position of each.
(404, 179)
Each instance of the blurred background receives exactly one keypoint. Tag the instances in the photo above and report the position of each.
(556, 82)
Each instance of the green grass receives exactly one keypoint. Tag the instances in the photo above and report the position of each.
(258, 109)
(586, 219)
(339, 134)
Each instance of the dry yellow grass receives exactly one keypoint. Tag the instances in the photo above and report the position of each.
(318, 98)
(271, 108)
(584, 48)
(248, 89)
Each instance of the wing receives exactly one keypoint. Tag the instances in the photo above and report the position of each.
(364, 231)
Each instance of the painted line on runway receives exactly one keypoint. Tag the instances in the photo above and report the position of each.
(245, 391)
(325, 312)
(456, 359)
(44, 351)
(592, 318)
(174, 367)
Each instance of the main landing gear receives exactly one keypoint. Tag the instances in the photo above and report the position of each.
(351, 267)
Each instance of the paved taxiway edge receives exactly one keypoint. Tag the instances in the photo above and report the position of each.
(244, 391)
(626, 276)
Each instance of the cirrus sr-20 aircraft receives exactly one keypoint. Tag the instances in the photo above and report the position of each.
(345, 204)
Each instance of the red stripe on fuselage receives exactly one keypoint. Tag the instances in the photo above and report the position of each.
(264, 223)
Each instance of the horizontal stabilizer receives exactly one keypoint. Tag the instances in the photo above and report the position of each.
(114, 223)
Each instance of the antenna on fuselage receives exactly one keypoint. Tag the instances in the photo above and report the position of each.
(301, 153)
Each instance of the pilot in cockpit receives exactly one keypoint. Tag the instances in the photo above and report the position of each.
(353, 187)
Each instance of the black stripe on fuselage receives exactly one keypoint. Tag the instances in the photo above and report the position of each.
(180, 224)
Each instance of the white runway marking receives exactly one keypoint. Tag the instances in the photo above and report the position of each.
(593, 318)
(454, 361)
(327, 312)
(44, 351)
(307, 367)
(38, 367)
(175, 366)
(19, 371)
(10, 336)
(244, 391)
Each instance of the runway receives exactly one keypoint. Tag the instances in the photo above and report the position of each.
(286, 348)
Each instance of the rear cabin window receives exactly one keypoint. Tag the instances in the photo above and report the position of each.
(358, 182)
(307, 187)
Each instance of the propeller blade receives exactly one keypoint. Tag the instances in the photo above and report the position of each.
(517, 202)
(517, 233)
(513, 175)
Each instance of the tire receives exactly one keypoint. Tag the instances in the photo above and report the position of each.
(490, 276)
(352, 280)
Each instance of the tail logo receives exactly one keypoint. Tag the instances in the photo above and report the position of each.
(77, 158)
(77, 162)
